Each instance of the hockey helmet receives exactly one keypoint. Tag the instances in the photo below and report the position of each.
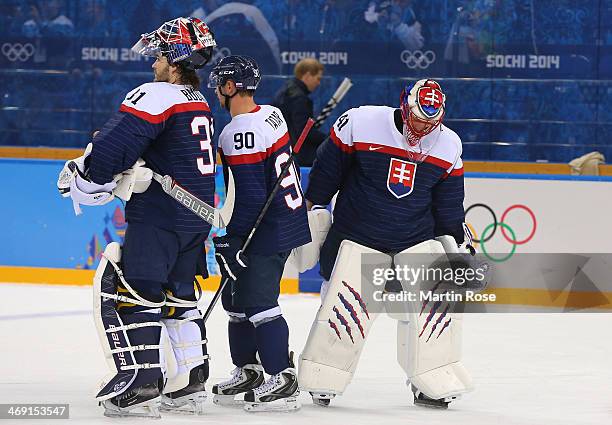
(242, 70)
(185, 41)
(422, 106)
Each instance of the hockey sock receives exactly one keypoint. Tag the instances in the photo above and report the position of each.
(242, 343)
(273, 345)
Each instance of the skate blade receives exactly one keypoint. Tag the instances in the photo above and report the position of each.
(432, 404)
(435, 404)
(149, 410)
(236, 400)
(323, 402)
(192, 404)
(289, 404)
(322, 399)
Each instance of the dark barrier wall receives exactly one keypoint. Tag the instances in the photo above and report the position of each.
(525, 79)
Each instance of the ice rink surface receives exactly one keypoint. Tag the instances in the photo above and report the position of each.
(528, 368)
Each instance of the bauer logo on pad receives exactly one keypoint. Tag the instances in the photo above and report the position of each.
(400, 180)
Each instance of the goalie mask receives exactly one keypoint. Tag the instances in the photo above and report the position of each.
(422, 107)
(185, 41)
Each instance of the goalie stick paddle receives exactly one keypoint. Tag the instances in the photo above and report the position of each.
(264, 209)
(216, 217)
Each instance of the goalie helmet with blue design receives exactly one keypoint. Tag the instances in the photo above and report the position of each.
(185, 41)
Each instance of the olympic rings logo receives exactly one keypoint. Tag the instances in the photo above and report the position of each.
(506, 231)
(18, 52)
(417, 59)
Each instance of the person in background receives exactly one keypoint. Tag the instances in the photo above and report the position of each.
(294, 102)
(46, 20)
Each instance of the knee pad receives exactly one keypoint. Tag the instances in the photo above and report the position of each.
(186, 347)
(425, 253)
(341, 326)
(114, 335)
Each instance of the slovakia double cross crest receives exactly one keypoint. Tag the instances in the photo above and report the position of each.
(400, 180)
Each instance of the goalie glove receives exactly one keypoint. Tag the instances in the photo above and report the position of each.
(74, 183)
(305, 257)
(70, 169)
(133, 180)
(470, 271)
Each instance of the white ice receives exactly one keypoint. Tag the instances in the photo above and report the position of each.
(528, 368)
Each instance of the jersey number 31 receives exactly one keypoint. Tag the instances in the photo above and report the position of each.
(206, 163)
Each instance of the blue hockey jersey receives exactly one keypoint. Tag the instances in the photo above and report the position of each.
(388, 200)
(255, 146)
(170, 126)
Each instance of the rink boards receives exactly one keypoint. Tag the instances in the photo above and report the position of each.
(44, 242)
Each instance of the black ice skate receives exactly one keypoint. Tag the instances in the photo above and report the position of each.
(189, 400)
(243, 379)
(142, 402)
(280, 392)
(421, 399)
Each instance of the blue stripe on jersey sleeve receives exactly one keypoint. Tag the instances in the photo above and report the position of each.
(447, 207)
(122, 140)
(328, 172)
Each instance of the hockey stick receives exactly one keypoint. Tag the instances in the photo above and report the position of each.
(216, 217)
(264, 209)
(341, 91)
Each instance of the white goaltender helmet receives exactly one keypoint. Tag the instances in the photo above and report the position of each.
(422, 105)
(186, 41)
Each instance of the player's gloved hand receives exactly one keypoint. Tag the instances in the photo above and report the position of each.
(73, 182)
(228, 253)
(470, 271)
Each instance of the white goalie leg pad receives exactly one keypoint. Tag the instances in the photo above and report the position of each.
(430, 250)
(429, 344)
(113, 334)
(305, 257)
(435, 370)
(186, 345)
(341, 327)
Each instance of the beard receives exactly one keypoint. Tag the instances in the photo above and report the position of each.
(161, 76)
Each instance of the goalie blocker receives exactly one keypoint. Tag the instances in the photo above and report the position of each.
(432, 364)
